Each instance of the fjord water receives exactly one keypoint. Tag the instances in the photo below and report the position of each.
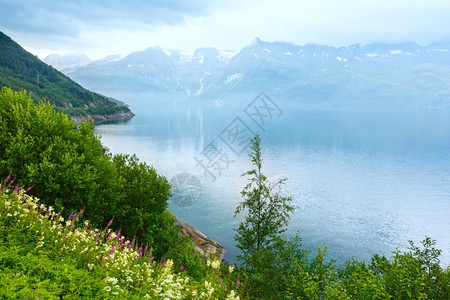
(363, 182)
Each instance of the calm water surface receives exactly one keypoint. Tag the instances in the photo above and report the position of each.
(362, 182)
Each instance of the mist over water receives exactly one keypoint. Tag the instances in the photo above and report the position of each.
(363, 182)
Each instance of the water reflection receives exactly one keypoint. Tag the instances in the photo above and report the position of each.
(362, 182)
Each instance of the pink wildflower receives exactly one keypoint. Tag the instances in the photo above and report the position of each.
(110, 222)
(182, 268)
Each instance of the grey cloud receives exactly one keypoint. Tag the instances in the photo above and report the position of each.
(68, 16)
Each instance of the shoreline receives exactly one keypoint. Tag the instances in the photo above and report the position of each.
(203, 244)
(104, 118)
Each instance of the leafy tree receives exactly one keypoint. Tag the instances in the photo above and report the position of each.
(265, 253)
(268, 211)
(69, 168)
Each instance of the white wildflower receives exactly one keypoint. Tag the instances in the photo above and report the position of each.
(169, 263)
(215, 264)
(111, 280)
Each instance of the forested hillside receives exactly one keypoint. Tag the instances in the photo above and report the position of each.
(20, 70)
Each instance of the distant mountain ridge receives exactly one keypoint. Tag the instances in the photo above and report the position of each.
(67, 61)
(376, 74)
(20, 70)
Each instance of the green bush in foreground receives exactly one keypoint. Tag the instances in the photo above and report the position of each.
(70, 169)
(45, 256)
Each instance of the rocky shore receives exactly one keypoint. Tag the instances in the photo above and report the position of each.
(203, 244)
(103, 118)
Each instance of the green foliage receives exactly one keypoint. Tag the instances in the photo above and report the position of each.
(21, 70)
(35, 276)
(436, 282)
(265, 253)
(267, 211)
(184, 254)
(70, 169)
(44, 256)
(144, 217)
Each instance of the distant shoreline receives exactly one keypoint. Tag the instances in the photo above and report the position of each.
(104, 118)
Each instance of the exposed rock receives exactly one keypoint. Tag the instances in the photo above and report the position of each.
(204, 245)
(103, 118)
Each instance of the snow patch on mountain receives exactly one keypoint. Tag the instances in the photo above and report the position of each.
(200, 90)
(398, 52)
(237, 76)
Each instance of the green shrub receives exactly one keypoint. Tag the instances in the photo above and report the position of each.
(44, 256)
(70, 169)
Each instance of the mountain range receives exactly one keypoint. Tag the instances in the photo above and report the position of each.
(372, 75)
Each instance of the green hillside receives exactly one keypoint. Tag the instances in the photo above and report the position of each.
(20, 70)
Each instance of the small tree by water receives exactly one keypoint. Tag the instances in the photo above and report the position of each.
(268, 212)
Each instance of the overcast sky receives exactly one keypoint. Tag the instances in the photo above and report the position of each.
(101, 27)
